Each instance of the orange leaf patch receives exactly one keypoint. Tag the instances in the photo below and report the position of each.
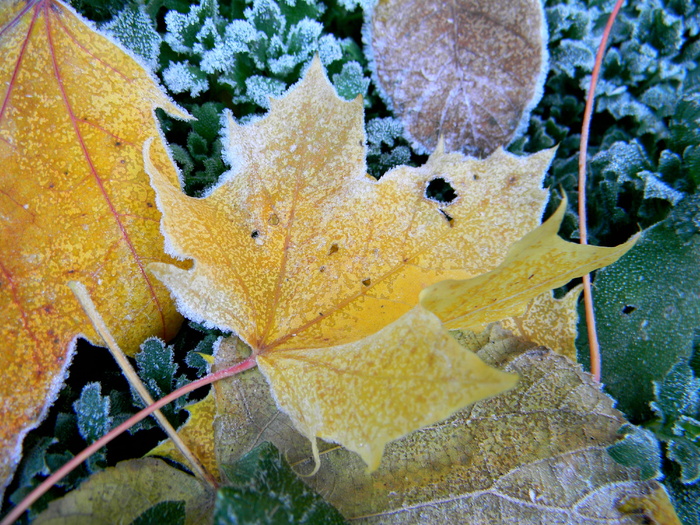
(75, 204)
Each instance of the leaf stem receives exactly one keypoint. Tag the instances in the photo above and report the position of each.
(83, 296)
(104, 440)
(585, 129)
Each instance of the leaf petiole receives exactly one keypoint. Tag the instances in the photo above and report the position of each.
(54, 478)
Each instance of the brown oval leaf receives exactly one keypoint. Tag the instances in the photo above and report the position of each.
(469, 70)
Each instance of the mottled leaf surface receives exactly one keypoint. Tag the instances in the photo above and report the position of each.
(197, 433)
(121, 494)
(535, 454)
(367, 393)
(466, 70)
(549, 322)
(75, 204)
(299, 248)
(539, 262)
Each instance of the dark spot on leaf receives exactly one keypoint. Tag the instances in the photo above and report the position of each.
(322, 269)
(51, 185)
(71, 271)
(448, 217)
(531, 276)
(476, 177)
(367, 282)
(255, 234)
(150, 205)
(628, 309)
(118, 143)
(320, 313)
(512, 180)
(122, 161)
(440, 190)
(333, 249)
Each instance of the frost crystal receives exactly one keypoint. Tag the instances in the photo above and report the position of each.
(182, 29)
(350, 82)
(260, 89)
(656, 189)
(329, 49)
(134, 29)
(181, 76)
(259, 56)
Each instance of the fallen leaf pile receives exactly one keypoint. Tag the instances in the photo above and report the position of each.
(343, 288)
(75, 204)
(320, 269)
(535, 454)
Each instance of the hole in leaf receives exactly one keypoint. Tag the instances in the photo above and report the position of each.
(367, 282)
(255, 234)
(333, 249)
(628, 309)
(440, 190)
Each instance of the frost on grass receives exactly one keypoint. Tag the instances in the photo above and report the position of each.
(350, 82)
(275, 40)
(133, 28)
(181, 77)
(648, 78)
(385, 147)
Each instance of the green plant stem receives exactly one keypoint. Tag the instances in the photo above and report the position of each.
(104, 440)
(593, 344)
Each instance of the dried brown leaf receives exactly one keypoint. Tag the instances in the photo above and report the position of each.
(469, 70)
(533, 455)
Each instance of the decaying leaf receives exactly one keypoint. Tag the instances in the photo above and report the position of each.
(121, 494)
(467, 70)
(319, 267)
(75, 203)
(533, 455)
(549, 322)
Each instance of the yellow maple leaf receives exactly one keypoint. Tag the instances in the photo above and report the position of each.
(75, 203)
(549, 322)
(319, 268)
(539, 262)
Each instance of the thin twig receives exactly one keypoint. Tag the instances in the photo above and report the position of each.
(132, 377)
(587, 295)
(104, 440)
